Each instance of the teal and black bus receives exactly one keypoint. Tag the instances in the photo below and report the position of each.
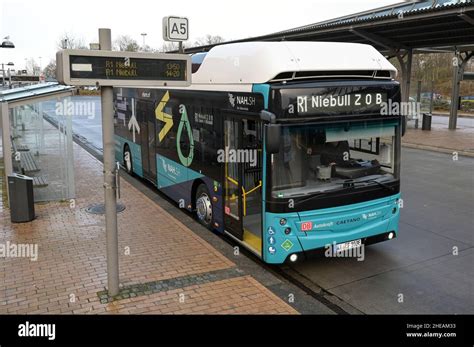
(286, 147)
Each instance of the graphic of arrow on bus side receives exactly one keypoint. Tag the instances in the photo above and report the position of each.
(164, 117)
(133, 124)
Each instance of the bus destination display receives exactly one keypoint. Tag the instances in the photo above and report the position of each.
(117, 68)
(81, 67)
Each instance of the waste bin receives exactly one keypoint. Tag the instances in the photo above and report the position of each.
(22, 205)
(426, 122)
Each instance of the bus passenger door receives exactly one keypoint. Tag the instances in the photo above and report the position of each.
(147, 122)
(232, 180)
(252, 182)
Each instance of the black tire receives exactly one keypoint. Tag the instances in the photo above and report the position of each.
(204, 212)
(127, 164)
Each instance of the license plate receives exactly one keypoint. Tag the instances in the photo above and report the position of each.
(348, 245)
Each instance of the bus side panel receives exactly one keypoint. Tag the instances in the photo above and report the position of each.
(135, 149)
(177, 181)
(123, 133)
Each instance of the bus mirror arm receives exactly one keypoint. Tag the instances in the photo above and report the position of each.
(268, 116)
(272, 132)
(272, 138)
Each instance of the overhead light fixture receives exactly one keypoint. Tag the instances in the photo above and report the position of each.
(7, 43)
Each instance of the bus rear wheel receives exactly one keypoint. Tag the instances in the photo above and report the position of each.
(204, 206)
(127, 160)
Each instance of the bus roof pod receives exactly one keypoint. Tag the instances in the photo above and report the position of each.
(261, 62)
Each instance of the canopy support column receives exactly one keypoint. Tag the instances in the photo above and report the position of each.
(459, 63)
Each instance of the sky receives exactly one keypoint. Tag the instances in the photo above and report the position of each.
(35, 26)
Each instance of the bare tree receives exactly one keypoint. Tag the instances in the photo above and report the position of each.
(50, 69)
(147, 48)
(208, 40)
(168, 47)
(70, 41)
(126, 43)
(32, 66)
(435, 71)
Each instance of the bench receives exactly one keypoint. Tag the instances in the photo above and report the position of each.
(28, 163)
(22, 148)
(39, 182)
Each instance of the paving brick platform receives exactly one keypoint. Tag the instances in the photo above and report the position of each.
(164, 266)
(441, 139)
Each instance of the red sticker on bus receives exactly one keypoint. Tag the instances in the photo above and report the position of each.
(227, 210)
(306, 226)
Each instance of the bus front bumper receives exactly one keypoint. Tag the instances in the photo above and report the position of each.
(313, 232)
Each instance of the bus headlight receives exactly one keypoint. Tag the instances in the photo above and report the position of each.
(293, 257)
(390, 235)
(282, 221)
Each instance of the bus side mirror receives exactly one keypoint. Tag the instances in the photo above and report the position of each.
(273, 138)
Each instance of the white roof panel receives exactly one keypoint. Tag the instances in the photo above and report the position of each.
(260, 62)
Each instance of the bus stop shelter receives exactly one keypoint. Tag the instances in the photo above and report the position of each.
(35, 143)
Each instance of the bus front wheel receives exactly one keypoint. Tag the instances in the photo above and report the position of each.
(127, 160)
(204, 206)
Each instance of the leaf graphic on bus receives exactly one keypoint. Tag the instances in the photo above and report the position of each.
(186, 161)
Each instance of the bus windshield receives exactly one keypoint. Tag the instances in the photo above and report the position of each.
(315, 158)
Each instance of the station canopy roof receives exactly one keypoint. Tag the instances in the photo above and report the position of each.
(34, 93)
(424, 26)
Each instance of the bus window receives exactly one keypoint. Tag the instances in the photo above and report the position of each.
(196, 60)
(304, 166)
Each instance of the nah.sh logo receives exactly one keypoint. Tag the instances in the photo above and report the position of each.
(306, 226)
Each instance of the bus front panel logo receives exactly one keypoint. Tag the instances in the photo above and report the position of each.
(306, 226)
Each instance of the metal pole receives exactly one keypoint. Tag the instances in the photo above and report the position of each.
(3, 75)
(6, 142)
(9, 79)
(453, 113)
(181, 50)
(105, 42)
(407, 81)
(431, 97)
(418, 100)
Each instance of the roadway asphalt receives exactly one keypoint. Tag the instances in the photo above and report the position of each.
(88, 125)
(415, 273)
(436, 218)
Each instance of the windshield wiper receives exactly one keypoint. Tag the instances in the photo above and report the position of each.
(352, 183)
(316, 195)
(306, 197)
(345, 184)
